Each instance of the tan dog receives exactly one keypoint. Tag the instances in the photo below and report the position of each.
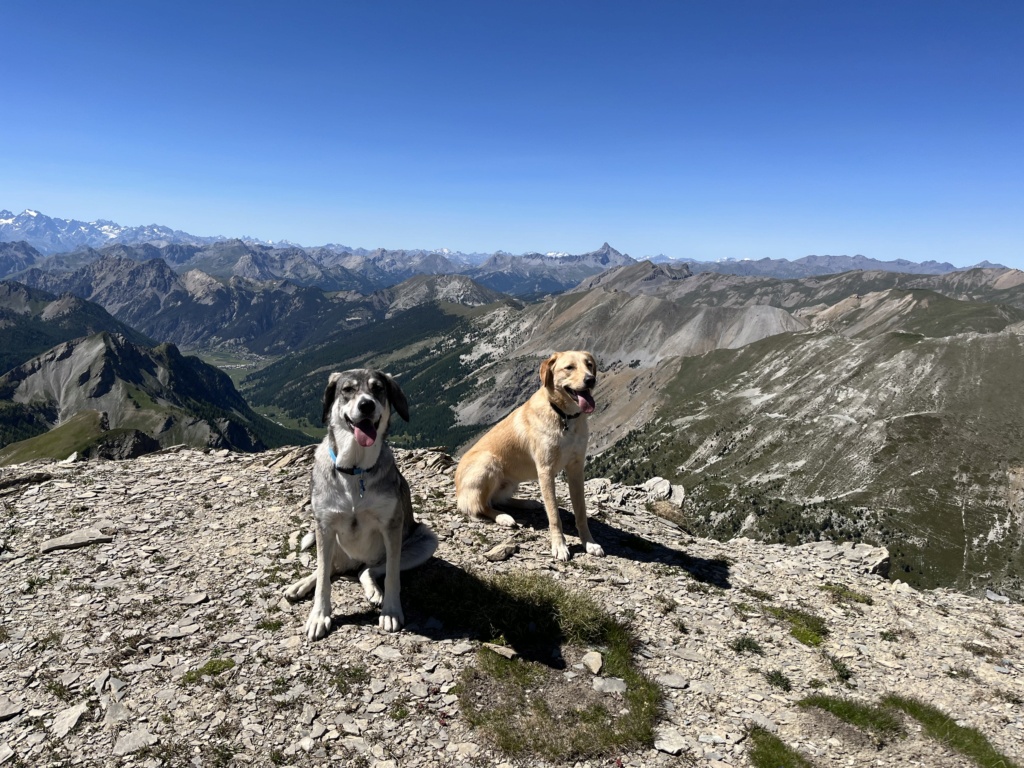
(546, 434)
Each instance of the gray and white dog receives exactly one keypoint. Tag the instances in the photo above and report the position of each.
(362, 507)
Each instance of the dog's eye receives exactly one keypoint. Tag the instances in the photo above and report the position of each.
(376, 386)
(348, 389)
(570, 367)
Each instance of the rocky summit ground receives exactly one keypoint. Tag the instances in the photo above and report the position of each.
(155, 634)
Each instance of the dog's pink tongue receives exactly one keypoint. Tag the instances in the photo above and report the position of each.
(365, 433)
(585, 400)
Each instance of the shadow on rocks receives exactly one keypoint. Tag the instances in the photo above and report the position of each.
(443, 602)
(627, 545)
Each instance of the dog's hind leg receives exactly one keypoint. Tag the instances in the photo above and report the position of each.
(474, 496)
(574, 474)
(305, 586)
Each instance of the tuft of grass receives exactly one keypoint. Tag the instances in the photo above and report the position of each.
(777, 679)
(51, 639)
(271, 625)
(746, 644)
(526, 707)
(399, 709)
(969, 742)
(757, 594)
(889, 636)
(210, 669)
(344, 678)
(841, 593)
(807, 628)
(881, 722)
(769, 751)
(960, 672)
(842, 670)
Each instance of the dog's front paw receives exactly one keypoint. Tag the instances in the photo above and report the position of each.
(506, 520)
(370, 588)
(595, 549)
(391, 618)
(559, 550)
(319, 623)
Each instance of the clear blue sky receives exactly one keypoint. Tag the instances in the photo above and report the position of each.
(698, 129)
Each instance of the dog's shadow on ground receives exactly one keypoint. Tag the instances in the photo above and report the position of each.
(442, 601)
(619, 543)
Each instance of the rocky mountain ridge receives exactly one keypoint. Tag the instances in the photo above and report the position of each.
(165, 640)
(113, 398)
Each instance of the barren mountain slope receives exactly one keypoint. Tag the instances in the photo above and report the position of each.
(166, 640)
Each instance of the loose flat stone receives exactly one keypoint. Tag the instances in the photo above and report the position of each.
(670, 741)
(80, 538)
(195, 598)
(65, 722)
(673, 681)
(134, 741)
(6, 753)
(501, 650)
(609, 685)
(593, 661)
(387, 653)
(501, 552)
(995, 597)
(9, 709)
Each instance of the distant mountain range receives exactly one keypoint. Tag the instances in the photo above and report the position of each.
(844, 398)
(71, 243)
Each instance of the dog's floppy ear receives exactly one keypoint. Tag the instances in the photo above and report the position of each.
(329, 395)
(547, 371)
(397, 397)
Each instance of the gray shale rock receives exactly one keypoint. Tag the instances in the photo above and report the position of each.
(121, 625)
(83, 537)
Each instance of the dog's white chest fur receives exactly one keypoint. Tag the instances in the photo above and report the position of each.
(358, 520)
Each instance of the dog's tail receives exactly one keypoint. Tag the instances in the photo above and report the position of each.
(419, 545)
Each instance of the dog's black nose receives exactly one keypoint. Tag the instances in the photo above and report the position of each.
(589, 381)
(366, 406)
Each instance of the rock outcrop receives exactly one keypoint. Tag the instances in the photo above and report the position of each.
(166, 640)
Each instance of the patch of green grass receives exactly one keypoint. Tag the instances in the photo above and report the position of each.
(960, 672)
(843, 672)
(777, 679)
(769, 751)
(51, 639)
(5, 634)
(879, 721)
(399, 709)
(344, 678)
(58, 689)
(526, 705)
(210, 669)
(271, 625)
(746, 644)
(841, 593)
(982, 650)
(889, 636)
(969, 742)
(757, 594)
(806, 627)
